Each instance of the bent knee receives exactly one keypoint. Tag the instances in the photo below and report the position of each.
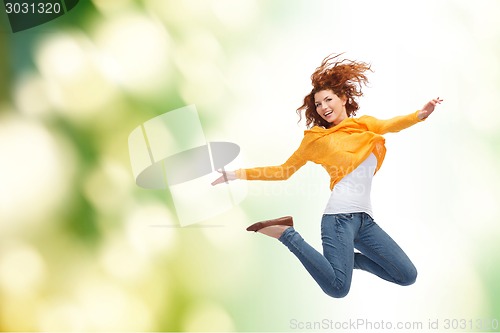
(409, 277)
(337, 292)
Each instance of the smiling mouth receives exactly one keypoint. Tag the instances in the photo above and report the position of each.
(326, 114)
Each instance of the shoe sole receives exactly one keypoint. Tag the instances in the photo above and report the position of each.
(286, 220)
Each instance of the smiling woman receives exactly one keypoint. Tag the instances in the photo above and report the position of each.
(351, 150)
(330, 107)
(342, 79)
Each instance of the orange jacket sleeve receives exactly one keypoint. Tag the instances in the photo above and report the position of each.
(278, 172)
(395, 124)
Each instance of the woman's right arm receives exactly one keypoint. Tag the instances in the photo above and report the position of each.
(278, 172)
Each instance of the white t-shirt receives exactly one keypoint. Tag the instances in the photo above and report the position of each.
(352, 193)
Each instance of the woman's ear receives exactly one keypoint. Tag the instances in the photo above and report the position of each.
(344, 99)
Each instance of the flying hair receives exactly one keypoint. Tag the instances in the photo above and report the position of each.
(344, 77)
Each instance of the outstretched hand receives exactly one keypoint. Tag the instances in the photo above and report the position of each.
(226, 176)
(429, 108)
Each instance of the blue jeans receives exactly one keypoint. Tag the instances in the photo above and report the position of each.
(341, 233)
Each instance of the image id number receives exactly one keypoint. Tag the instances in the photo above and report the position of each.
(478, 324)
(32, 8)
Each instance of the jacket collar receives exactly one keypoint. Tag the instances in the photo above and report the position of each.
(346, 123)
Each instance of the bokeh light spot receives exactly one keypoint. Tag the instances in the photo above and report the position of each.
(35, 173)
(207, 317)
(69, 64)
(143, 68)
(22, 269)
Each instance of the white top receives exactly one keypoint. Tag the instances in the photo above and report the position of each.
(352, 193)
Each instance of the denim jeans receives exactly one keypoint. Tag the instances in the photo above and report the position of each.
(340, 234)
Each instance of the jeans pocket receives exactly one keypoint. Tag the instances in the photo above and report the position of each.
(343, 221)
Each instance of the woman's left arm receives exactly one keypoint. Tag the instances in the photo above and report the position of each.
(399, 123)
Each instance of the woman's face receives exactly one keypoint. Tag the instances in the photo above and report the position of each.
(330, 107)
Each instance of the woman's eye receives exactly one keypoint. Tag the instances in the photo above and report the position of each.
(328, 99)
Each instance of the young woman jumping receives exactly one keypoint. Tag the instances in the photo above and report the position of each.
(351, 150)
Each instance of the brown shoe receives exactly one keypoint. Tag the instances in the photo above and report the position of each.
(286, 220)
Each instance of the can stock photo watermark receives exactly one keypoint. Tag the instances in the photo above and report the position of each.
(370, 325)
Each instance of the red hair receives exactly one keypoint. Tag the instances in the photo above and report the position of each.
(344, 77)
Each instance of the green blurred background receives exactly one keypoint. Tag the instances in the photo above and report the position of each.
(82, 248)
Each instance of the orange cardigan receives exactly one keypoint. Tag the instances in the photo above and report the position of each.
(339, 149)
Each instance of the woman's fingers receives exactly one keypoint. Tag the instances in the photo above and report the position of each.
(218, 180)
(429, 107)
(435, 101)
(225, 178)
